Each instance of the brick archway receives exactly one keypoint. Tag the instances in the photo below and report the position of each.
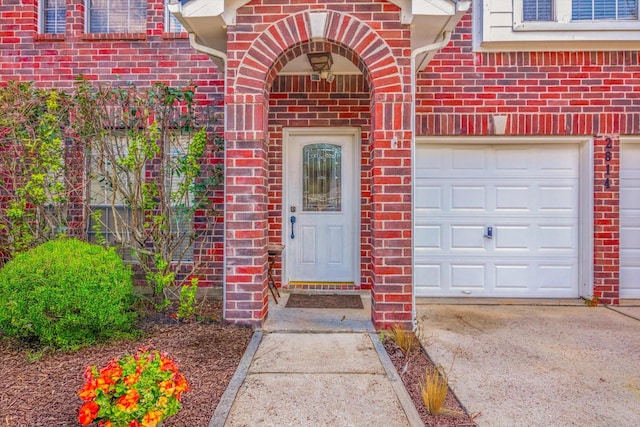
(253, 69)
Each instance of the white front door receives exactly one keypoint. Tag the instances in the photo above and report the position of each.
(321, 205)
(497, 220)
(630, 221)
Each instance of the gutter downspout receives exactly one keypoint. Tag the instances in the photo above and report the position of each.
(433, 47)
(220, 59)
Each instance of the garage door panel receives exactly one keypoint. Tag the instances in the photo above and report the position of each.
(467, 276)
(557, 277)
(558, 198)
(428, 276)
(511, 159)
(468, 159)
(428, 197)
(557, 237)
(467, 237)
(531, 207)
(513, 237)
(428, 237)
(630, 198)
(468, 198)
(630, 221)
(509, 277)
(513, 198)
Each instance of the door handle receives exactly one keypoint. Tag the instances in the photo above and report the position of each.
(489, 234)
(293, 222)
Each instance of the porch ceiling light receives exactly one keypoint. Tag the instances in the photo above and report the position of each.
(320, 61)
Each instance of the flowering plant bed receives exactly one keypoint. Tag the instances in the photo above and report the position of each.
(44, 386)
(135, 390)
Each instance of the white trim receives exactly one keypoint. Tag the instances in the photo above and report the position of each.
(586, 187)
(498, 27)
(354, 133)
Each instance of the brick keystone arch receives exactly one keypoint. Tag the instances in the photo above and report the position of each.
(253, 72)
(250, 78)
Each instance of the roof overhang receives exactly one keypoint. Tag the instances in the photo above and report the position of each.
(207, 21)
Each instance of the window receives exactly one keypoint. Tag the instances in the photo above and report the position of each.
(117, 16)
(172, 25)
(592, 10)
(110, 188)
(565, 11)
(53, 16)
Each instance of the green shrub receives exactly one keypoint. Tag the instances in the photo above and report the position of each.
(66, 294)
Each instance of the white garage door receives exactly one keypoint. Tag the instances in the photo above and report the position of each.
(496, 221)
(630, 221)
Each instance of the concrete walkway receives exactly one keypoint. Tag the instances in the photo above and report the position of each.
(316, 368)
(539, 365)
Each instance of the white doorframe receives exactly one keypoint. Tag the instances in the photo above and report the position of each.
(354, 134)
(585, 183)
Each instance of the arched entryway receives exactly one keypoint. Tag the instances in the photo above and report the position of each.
(254, 163)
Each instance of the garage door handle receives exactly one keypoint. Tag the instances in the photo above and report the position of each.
(489, 234)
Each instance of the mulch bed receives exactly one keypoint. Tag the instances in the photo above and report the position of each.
(413, 374)
(43, 393)
(324, 301)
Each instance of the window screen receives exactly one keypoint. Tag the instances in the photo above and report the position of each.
(537, 10)
(117, 16)
(54, 16)
(592, 10)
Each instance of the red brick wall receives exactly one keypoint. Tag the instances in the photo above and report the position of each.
(56, 60)
(606, 245)
(266, 37)
(542, 93)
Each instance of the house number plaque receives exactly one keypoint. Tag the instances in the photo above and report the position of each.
(607, 159)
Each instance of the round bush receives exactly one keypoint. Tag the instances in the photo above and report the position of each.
(66, 294)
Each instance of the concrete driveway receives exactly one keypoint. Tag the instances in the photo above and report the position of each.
(539, 365)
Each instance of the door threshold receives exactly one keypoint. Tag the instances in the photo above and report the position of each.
(339, 286)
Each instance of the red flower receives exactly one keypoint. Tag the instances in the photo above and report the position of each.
(88, 413)
(167, 364)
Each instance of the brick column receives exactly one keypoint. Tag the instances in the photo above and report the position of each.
(246, 212)
(392, 291)
(606, 245)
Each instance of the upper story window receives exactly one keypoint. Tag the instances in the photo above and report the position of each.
(53, 16)
(594, 10)
(171, 25)
(556, 25)
(117, 16)
(579, 10)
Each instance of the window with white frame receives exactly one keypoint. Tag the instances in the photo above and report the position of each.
(53, 16)
(116, 16)
(171, 24)
(579, 10)
(109, 209)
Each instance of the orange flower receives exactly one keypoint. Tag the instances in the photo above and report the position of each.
(131, 379)
(134, 423)
(167, 387)
(129, 401)
(88, 413)
(88, 391)
(105, 424)
(152, 419)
